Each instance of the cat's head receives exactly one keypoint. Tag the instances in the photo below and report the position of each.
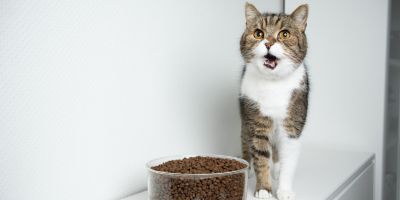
(275, 44)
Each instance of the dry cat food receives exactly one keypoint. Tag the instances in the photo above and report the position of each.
(187, 184)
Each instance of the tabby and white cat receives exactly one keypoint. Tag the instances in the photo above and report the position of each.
(274, 97)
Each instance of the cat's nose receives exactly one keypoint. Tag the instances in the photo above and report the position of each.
(268, 45)
(270, 41)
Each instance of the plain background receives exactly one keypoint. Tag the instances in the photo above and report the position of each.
(92, 90)
(347, 58)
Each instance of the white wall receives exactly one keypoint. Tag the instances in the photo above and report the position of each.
(91, 90)
(347, 63)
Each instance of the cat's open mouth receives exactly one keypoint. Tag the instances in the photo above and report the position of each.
(270, 61)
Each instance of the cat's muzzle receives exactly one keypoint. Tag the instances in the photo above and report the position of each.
(270, 61)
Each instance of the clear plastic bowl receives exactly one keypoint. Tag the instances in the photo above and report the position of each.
(230, 185)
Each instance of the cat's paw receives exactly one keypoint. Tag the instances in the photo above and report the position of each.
(264, 194)
(285, 195)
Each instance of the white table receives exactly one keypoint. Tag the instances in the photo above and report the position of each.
(325, 174)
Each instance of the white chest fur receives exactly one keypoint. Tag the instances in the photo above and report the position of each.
(272, 96)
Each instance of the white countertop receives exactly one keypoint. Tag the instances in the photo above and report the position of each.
(321, 173)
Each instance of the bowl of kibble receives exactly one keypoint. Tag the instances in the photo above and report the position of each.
(205, 177)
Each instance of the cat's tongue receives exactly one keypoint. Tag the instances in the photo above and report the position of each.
(270, 61)
(270, 64)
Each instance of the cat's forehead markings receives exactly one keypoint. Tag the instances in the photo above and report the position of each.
(275, 19)
(264, 23)
(278, 21)
(271, 22)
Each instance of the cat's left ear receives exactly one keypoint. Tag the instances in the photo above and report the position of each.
(300, 16)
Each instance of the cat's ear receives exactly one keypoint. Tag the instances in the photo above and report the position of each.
(252, 14)
(300, 16)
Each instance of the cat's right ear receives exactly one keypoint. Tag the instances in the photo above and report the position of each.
(252, 14)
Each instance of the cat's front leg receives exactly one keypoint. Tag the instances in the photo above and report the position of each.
(245, 144)
(260, 150)
(289, 150)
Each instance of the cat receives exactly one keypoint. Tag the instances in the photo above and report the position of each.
(273, 97)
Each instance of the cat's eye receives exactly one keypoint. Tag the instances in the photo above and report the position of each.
(284, 34)
(258, 34)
